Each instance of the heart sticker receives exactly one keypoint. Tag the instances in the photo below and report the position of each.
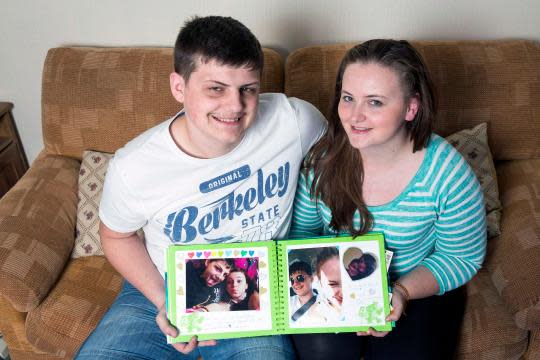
(190, 254)
(359, 265)
(207, 254)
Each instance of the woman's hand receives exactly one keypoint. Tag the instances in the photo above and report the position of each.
(166, 328)
(399, 302)
(253, 302)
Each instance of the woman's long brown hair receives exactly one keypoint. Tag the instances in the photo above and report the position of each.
(336, 165)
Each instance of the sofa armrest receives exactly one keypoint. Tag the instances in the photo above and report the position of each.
(513, 258)
(533, 350)
(37, 227)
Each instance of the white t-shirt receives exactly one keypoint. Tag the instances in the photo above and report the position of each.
(245, 195)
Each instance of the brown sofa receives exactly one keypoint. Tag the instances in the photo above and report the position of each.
(99, 98)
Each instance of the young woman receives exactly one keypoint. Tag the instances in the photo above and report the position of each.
(380, 168)
(328, 271)
(239, 288)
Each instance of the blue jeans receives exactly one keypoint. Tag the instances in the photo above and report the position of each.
(129, 331)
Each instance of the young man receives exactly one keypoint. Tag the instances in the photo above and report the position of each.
(306, 307)
(206, 284)
(300, 275)
(223, 169)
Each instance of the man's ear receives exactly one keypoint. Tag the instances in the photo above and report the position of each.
(412, 108)
(178, 86)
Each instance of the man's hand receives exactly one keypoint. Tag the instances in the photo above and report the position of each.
(166, 328)
(398, 306)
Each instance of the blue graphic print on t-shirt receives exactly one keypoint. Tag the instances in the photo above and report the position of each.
(189, 223)
(226, 179)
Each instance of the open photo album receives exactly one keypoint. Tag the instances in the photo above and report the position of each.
(331, 284)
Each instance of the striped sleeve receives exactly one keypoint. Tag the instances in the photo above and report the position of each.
(306, 220)
(460, 229)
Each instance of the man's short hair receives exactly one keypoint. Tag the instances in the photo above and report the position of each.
(218, 38)
(229, 261)
(297, 266)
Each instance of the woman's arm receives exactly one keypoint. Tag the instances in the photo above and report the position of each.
(254, 303)
(460, 245)
(460, 229)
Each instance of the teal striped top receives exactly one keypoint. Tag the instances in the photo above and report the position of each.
(438, 221)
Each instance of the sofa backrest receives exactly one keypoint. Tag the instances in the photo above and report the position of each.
(497, 82)
(100, 98)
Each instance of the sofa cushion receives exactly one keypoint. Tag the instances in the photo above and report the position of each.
(94, 166)
(488, 330)
(73, 308)
(514, 264)
(473, 145)
(100, 98)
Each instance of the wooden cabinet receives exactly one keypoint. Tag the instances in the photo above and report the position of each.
(13, 162)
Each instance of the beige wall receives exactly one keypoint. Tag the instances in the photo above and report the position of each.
(28, 28)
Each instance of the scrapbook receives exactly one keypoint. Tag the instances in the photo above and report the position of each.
(332, 284)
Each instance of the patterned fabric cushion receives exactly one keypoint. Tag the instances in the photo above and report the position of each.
(473, 145)
(91, 177)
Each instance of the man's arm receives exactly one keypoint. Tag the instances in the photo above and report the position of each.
(127, 253)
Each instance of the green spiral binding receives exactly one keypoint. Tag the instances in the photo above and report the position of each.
(281, 299)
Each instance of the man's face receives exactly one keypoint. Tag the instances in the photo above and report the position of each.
(301, 288)
(215, 272)
(220, 103)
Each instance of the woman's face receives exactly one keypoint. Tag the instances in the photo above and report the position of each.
(236, 285)
(372, 107)
(330, 270)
